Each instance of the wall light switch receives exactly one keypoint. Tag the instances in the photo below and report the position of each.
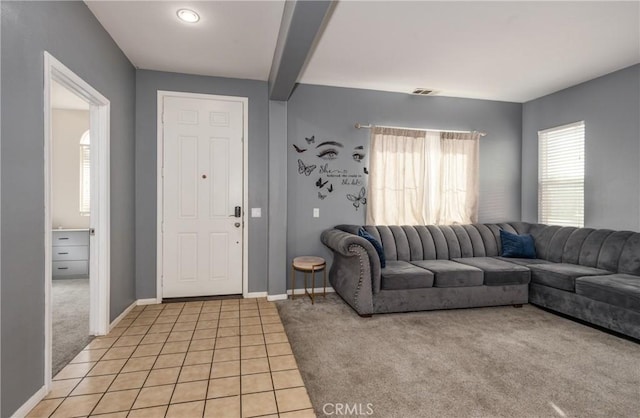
(316, 212)
(256, 212)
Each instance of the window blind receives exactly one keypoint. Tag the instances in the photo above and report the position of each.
(561, 175)
(85, 180)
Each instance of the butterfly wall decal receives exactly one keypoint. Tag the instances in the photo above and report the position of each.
(321, 196)
(359, 147)
(311, 140)
(320, 184)
(366, 171)
(298, 149)
(305, 169)
(358, 200)
(330, 188)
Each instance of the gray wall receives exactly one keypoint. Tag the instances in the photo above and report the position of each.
(329, 113)
(147, 85)
(70, 32)
(610, 108)
(277, 197)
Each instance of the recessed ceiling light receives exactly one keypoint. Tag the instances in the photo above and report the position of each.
(188, 16)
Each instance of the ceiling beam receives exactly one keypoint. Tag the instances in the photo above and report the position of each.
(302, 23)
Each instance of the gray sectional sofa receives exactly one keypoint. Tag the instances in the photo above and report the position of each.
(590, 274)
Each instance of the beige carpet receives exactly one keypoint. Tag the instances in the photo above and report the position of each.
(486, 362)
(70, 311)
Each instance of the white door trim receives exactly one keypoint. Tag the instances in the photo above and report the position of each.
(245, 182)
(100, 257)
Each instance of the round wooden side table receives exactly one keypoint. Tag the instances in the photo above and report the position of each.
(309, 264)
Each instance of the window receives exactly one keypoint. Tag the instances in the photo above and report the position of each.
(85, 174)
(561, 175)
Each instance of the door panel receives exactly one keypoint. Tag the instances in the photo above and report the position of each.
(187, 257)
(202, 184)
(188, 177)
(219, 193)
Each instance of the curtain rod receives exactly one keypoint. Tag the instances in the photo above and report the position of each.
(369, 126)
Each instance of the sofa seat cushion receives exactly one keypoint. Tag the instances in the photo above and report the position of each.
(524, 261)
(399, 275)
(498, 272)
(451, 274)
(562, 275)
(621, 290)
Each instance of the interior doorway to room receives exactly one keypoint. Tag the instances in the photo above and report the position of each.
(70, 223)
(76, 177)
(202, 234)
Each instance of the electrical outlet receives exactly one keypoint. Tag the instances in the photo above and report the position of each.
(316, 212)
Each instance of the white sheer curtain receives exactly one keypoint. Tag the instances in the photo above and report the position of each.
(403, 177)
(420, 178)
(459, 178)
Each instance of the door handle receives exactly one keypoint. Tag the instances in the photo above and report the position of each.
(237, 212)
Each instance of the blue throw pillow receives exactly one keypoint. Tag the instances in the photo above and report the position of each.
(517, 246)
(364, 234)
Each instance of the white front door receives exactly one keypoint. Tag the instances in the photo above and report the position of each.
(202, 186)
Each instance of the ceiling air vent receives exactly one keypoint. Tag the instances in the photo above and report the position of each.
(423, 92)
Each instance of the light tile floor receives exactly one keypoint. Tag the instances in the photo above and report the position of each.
(224, 358)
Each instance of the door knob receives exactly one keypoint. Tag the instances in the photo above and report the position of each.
(237, 224)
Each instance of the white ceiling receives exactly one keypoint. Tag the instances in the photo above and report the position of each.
(63, 98)
(510, 51)
(232, 39)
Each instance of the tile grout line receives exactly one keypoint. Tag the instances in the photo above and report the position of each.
(266, 349)
(85, 376)
(138, 345)
(213, 353)
(181, 311)
(154, 363)
(240, 360)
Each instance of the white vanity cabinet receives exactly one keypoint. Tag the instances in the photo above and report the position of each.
(70, 252)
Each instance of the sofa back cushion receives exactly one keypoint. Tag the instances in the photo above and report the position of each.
(615, 251)
(441, 242)
(629, 262)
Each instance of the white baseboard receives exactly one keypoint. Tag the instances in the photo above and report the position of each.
(283, 296)
(30, 403)
(150, 301)
(317, 290)
(42, 392)
(124, 313)
(256, 295)
(273, 298)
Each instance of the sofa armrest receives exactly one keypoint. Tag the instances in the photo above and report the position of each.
(355, 272)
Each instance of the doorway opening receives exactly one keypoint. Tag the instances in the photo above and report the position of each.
(70, 223)
(76, 177)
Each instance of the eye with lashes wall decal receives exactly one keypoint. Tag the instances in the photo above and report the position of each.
(338, 164)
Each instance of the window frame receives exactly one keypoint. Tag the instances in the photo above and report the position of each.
(566, 180)
(84, 202)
